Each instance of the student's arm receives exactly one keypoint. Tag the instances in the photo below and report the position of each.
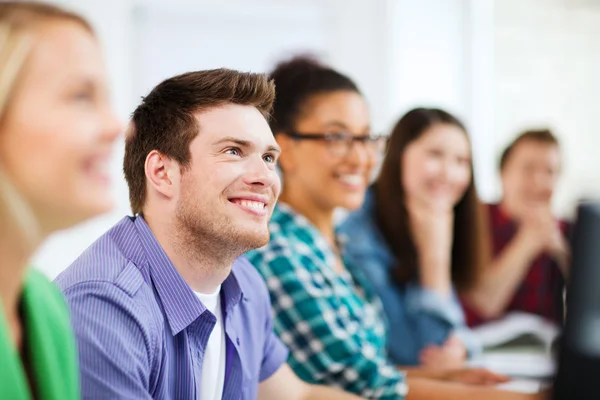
(419, 317)
(560, 251)
(469, 376)
(322, 345)
(431, 226)
(115, 350)
(425, 389)
(285, 384)
(433, 310)
(497, 283)
(439, 322)
(324, 349)
(538, 232)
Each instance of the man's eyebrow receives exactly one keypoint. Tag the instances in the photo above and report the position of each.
(246, 144)
(231, 139)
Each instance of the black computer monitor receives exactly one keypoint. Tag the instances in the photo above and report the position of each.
(578, 374)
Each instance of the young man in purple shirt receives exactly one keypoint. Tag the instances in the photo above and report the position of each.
(162, 306)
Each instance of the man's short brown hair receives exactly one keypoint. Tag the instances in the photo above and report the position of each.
(538, 135)
(165, 120)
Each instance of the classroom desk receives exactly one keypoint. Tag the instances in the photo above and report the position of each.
(531, 368)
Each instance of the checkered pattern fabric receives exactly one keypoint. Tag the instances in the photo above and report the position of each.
(332, 324)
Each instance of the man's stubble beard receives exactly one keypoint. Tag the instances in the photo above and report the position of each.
(214, 236)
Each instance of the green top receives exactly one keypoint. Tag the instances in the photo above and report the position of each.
(49, 344)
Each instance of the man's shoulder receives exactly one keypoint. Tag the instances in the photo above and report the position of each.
(105, 261)
(107, 280)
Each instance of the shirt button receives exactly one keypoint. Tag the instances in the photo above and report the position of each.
(237, 340)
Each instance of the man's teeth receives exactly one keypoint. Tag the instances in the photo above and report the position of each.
(257, 205)
(352, 179)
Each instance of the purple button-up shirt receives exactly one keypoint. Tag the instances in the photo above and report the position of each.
(142, 331)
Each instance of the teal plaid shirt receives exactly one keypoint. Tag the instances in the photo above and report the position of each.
(333, 326)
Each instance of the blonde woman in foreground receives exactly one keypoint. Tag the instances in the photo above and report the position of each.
(56, 133)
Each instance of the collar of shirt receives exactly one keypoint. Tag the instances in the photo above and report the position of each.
(181, 305)
(286, 221)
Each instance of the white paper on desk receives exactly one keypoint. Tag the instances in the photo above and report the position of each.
(517, 364)
(515, 326)
(521, 386)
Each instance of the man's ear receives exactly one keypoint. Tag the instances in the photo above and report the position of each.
(162, 173)
(287, 160)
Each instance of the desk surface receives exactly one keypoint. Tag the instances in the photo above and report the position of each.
(531, 368)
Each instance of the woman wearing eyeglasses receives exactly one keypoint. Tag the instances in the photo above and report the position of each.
(324, 308)
(419, 235)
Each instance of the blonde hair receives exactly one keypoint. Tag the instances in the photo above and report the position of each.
(18, 22)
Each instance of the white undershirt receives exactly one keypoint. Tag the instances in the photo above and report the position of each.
(213, 367)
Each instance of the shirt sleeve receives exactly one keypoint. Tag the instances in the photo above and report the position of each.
(430, 310)
(326, 347)
(115, 350)
(275, 353)
(418, 317)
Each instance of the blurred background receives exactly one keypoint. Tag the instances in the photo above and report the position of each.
(501, 65)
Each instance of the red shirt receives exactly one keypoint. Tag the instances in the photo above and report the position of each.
(541, 291)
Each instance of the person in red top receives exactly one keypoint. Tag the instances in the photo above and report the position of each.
(529, 246)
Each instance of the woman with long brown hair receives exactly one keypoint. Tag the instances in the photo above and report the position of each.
(56, 134)
(418, 237)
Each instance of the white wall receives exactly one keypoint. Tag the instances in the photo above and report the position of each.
(428, 55)
(547, 74)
